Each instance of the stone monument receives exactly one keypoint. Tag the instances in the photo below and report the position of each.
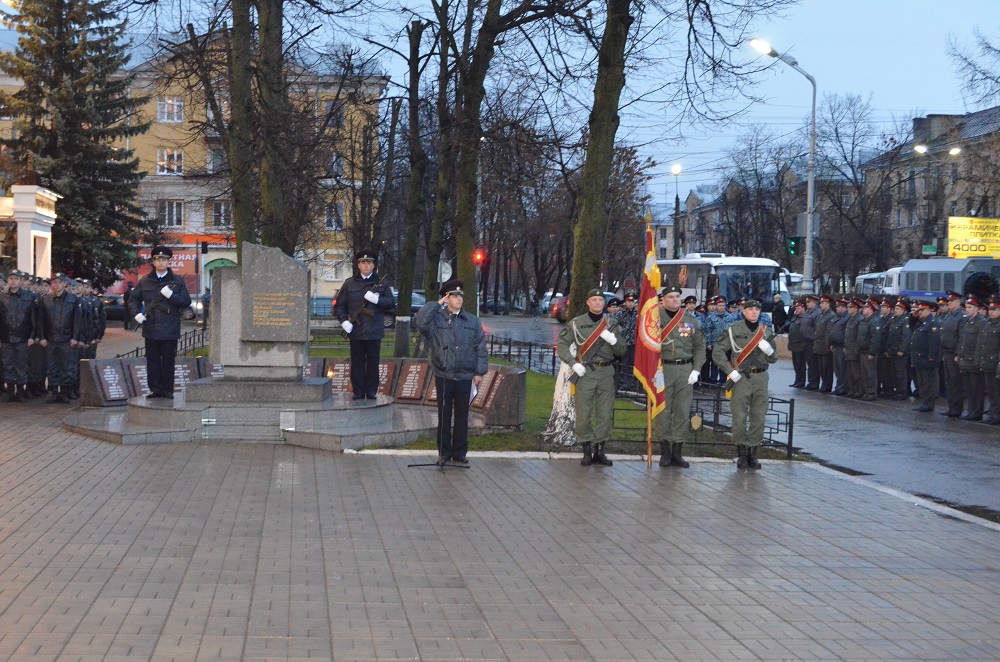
(259, 332)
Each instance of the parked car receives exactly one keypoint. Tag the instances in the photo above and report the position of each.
(558, 308)
(114, 306)
(543, 306)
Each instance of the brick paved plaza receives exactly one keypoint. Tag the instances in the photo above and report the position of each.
(259, 552)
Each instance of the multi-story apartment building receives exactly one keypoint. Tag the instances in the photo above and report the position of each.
(186, 183)
(950, 167)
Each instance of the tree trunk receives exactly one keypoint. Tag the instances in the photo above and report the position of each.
(390, 171)
(277, 229)
(561, 429)
(415, 202)
(446, 167)
(592, 219)
(240, 135)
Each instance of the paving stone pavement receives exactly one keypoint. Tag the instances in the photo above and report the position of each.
(229, 551)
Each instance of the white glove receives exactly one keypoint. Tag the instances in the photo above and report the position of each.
(765, 347)
(735, 376)
(579, 369)
(371, 296)
(140, 318)
(166, 292)
(694, 377)
(194, 306)
(609, 337)
(347, 326)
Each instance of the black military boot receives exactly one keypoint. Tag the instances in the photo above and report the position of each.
(24, 392)
(741, 460)
(12, 393)
(588, 459)
(676, 458)
(63, 394)
(664, 454)
(599, 456)
(752, 457)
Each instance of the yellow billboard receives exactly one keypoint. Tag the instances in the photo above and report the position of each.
(973, 237)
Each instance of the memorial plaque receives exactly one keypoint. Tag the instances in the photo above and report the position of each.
(338, 371)
(494, 389)
(185, 372)
(432, 392)
(412, 380)
(208, 369)
(137, 376)
(484, 388)
(103, 383)
(386, 372)
(275, 296)
(315, 368)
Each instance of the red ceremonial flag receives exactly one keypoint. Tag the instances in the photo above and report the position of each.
(648, 367)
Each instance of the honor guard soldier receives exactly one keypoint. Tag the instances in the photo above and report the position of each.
(838, 332)
(589, 344)
(925, 354)
(751, 348)
(821, 345)
(362, 304)
(808, 331)
(458, 353)
(38, 361)
(897, 347)
(988, 355)
(682, 351)
(62, 319)
(973, 383)
(951, 325)
(18, 317)
(156, 304)
(852, 357)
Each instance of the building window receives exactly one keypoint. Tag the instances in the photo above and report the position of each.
(333, 217)
(170, 213)
(334, 110)
(336, 166)
(954, 173)
(663, 254)
(913, 217)
(216, 160)
(334, 270)
(663, 233)
(899, 218)
(210, 116)
(169, 161)
(222, 213)
(954, 207)
(170, 109)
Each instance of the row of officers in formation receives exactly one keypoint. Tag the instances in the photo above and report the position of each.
(881, 347)
(46, 327)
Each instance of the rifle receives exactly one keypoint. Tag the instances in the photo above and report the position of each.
(362, 309)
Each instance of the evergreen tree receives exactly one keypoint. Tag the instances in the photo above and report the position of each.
(73, 115)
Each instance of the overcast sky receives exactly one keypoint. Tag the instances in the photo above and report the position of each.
(894, 49)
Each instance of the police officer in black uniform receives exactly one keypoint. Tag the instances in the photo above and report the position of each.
(62, 321)
(362, 304)
(18, 316)
(156, 304)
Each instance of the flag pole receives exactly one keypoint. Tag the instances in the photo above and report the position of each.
(649, 433)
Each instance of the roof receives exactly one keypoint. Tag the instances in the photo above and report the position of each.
(967, 128)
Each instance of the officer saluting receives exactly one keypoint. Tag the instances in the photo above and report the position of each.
(156, 304)
(361, 306)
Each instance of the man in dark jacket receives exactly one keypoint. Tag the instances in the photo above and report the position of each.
(973, 382)
(62, 321)
(838, 334)
(925, 353)
(18, 316)
(457, 345)
(797, 344)
(361, 306)
(156, 304)
(808, 330)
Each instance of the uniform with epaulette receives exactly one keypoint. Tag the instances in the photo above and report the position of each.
(925, 354)
(682, 351)
(589, 344)
(838, 330)
(18, 317)
(751, 347)
(38, 361)
(868, 343)
(821, 344)
(951, 325)
(852, 358)
(797, 344)
(62, 320)
(973, 383)
(988, 355)
(897, 346)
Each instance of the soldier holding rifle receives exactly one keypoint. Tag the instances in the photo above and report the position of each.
(361, 306)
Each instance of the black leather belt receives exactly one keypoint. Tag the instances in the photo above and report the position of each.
(678, 361)
(757, 371)
(601, 364)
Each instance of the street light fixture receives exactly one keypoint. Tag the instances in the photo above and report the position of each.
(764, 47)
(675, 170)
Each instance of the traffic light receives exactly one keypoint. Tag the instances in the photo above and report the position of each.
(793, 245)
(478, 257)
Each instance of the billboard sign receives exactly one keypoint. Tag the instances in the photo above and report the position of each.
(973, 237)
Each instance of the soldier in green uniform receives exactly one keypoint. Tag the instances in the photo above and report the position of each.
(973, 383)
(589, 344)
(751, 348)
(988, 355)
(682, 350)
(897, 346)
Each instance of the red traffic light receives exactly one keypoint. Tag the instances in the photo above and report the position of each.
(478, 257)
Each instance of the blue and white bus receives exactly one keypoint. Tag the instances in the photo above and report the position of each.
(932, 277)
(707, 275)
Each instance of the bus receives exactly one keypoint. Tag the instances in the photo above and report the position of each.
(879, 282)
(932, 277)
(707, 275)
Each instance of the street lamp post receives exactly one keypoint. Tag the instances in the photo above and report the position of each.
(675, 170)
(764, 47)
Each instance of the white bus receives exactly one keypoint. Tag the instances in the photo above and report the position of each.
(879, 282)
(707, 275)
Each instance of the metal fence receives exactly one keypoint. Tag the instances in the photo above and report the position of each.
(188, 342)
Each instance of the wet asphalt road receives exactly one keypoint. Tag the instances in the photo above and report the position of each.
(948, 460)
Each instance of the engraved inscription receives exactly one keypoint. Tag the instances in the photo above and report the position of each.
(112, 383)
(275, 308)
(432, 392)
(484, 389)
(411, 381)
(339, 373)
(494, 390)
(386, 371)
